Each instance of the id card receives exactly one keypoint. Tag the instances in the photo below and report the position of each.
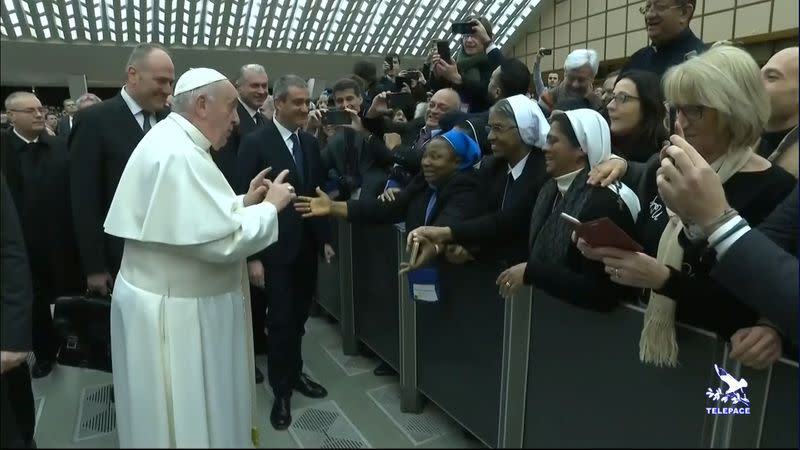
(423, 284)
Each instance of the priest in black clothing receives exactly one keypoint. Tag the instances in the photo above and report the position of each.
(578, 140)
(102, 139)
(36, 167)
(511, 179)
(672, 40)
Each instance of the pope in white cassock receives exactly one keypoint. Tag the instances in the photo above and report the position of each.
(180, 317)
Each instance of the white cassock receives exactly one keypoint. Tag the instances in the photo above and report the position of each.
(181, 331)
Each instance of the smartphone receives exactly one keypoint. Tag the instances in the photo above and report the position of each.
(399, 82)
(399, 100)
(463, 28)
(336, 117)
(414, 253)
(443, 48)
(546, 51)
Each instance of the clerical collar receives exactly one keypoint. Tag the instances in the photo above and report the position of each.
(132, 105)
(194, 133)
(24, 139)
(252, 112)
(285, 132)
(565, 181)
(516, 171)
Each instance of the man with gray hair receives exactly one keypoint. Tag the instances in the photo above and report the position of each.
(580, 68)
(180, 301)
(292, 262)
(252, 85)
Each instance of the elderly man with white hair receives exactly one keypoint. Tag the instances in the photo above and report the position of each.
(580, 68)
(180, 319)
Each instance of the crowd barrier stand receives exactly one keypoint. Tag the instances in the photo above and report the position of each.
(328, 282)
(534, 371)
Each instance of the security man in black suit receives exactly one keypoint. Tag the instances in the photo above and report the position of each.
(102, 140)
(36, 167)
(287, 270)
(252, 84)
(17, 416)
(64, 126)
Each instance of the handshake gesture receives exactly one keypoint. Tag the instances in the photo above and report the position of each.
(277, 192)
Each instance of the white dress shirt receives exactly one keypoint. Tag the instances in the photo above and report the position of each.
(136, 110)
(24, 139)
(286, 134)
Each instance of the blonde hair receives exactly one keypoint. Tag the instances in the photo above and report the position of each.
(727, 79)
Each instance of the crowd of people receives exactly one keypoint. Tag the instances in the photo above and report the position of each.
(200, 205)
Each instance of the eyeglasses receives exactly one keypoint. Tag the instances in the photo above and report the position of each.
(31, 111)
(658, 9)
(693, 113)
(622, 98)
(498, 128)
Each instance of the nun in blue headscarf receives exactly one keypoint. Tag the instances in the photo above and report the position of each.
(444, 193)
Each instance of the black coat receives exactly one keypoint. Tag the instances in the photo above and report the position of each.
(659, 60)
(38, 179)
(474, 93)
(63, 128)
(102, 139)
(16, 290)
(264, 148)
(225, 158)
(355, 156)
(458, 199)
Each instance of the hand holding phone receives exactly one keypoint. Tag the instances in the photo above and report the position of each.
(336, 116)
(399, 100)
(443, 48)
(603, 233)
(463, 28)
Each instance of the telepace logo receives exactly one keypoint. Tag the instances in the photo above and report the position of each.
(734, 395)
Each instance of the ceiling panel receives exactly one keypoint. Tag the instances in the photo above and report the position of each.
(368, 27)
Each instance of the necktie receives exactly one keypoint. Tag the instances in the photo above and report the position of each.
(507, 191)
(297, 153)
(258, 118)
(557, 201)
(429, 209)
(424, 136)
(146, 124)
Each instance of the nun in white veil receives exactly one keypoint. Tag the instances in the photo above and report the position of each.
(576, 142)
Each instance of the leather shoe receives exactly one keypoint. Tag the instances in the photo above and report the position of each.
(384, 370)
(310, 389)
(41, 369)
(281, 415)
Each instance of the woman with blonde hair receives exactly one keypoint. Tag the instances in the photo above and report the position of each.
(721, 110)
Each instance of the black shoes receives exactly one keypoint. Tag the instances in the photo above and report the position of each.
(281, 415)
(259, 376)
(309, 388)
(41, 369)
(384, 370)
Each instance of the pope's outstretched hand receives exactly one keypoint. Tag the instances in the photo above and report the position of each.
(279, 193)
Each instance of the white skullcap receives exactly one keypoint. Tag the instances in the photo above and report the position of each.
(531, 123)
(197, 78)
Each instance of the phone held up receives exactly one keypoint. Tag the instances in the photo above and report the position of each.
(463, 28)
(336, 116)
(399, 100)
(443, 49)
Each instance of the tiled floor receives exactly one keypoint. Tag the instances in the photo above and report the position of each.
(355, 413)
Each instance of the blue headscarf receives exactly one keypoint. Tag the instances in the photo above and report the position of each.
(464, 146)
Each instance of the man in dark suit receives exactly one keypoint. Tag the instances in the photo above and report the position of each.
(64, 126)
(252, 85)
(103, 138)
(36, 167)
(291, 262)
(16, 301)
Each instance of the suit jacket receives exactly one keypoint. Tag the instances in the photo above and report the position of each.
(16, 290)
(457, 200)
(503, 233)
(761, 267)
(372, 162)
(63, 128)
(225, 158)
(264, 148)
(102, 139)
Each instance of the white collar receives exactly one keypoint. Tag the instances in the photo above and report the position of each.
(24, 139)
(132, 105)
(516, 171)
(252, 112)
(565, 181)
(286, 133)
(192, 131)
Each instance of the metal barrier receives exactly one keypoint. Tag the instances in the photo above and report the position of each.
(328, 283)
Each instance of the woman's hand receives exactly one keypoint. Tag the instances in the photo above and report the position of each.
(389, 194)
(437, 235)
(607, 172)
(456, 254)
(314, 206)
(427, 252)
(447, 71)
(633, 269)
(757, 347)
(511, 279)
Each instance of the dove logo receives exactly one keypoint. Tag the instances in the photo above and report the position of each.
(735, 395)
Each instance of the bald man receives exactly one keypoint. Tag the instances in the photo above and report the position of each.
(780, 139)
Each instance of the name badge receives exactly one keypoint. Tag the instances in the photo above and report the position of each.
(423, 284)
